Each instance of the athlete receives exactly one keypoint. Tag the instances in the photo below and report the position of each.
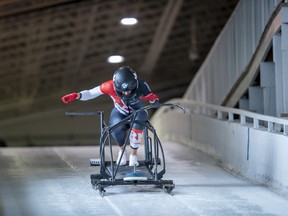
(127, 93)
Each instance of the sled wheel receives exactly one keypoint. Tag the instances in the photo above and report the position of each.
(101, 191)
(168, 188)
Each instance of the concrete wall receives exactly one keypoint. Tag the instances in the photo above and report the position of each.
(254, 153)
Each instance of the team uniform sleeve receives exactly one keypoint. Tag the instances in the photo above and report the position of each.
(90, 94)
(144, 88)
(104, 88)
(107, 88)
(147, 93)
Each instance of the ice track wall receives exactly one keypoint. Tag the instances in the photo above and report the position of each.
(255, 153)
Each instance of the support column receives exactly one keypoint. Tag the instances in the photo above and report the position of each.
(277, 58)
(284, 44)
(267, 83)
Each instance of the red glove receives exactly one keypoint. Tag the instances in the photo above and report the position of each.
(151, 97)
(69, 98)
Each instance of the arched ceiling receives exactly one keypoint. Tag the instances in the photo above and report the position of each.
(52, 47)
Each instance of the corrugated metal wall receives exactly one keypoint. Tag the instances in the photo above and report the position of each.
(232, 51)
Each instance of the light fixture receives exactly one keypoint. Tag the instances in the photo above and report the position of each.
(129, 21)
(115, 59)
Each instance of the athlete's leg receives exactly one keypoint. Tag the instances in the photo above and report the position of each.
(136, 137)
(119, 134)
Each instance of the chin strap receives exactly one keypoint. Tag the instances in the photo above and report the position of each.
(135, 138)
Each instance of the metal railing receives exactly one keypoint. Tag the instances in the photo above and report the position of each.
(243, 117)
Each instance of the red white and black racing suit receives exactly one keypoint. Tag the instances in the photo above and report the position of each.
(123, 107)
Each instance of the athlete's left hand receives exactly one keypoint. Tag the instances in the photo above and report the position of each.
(151, 97)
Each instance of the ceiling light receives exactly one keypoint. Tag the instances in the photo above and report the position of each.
(115, 59)
(129, 21)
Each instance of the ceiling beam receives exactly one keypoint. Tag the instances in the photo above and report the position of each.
(160, 37)
(15, 7)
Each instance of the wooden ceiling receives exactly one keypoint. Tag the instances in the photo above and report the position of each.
(52, 47)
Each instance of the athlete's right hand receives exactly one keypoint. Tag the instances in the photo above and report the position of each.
(69, 97)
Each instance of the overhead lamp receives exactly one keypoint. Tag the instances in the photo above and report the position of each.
(115, 59)
(129, 21)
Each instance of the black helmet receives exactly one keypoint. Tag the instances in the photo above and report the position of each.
(125, 79)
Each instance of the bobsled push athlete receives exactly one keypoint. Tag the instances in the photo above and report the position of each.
(127, 92)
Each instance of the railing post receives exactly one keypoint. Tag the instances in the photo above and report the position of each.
(219, 114)
(243, 119)
(230, 116)
(270, 126)
(256, 123)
